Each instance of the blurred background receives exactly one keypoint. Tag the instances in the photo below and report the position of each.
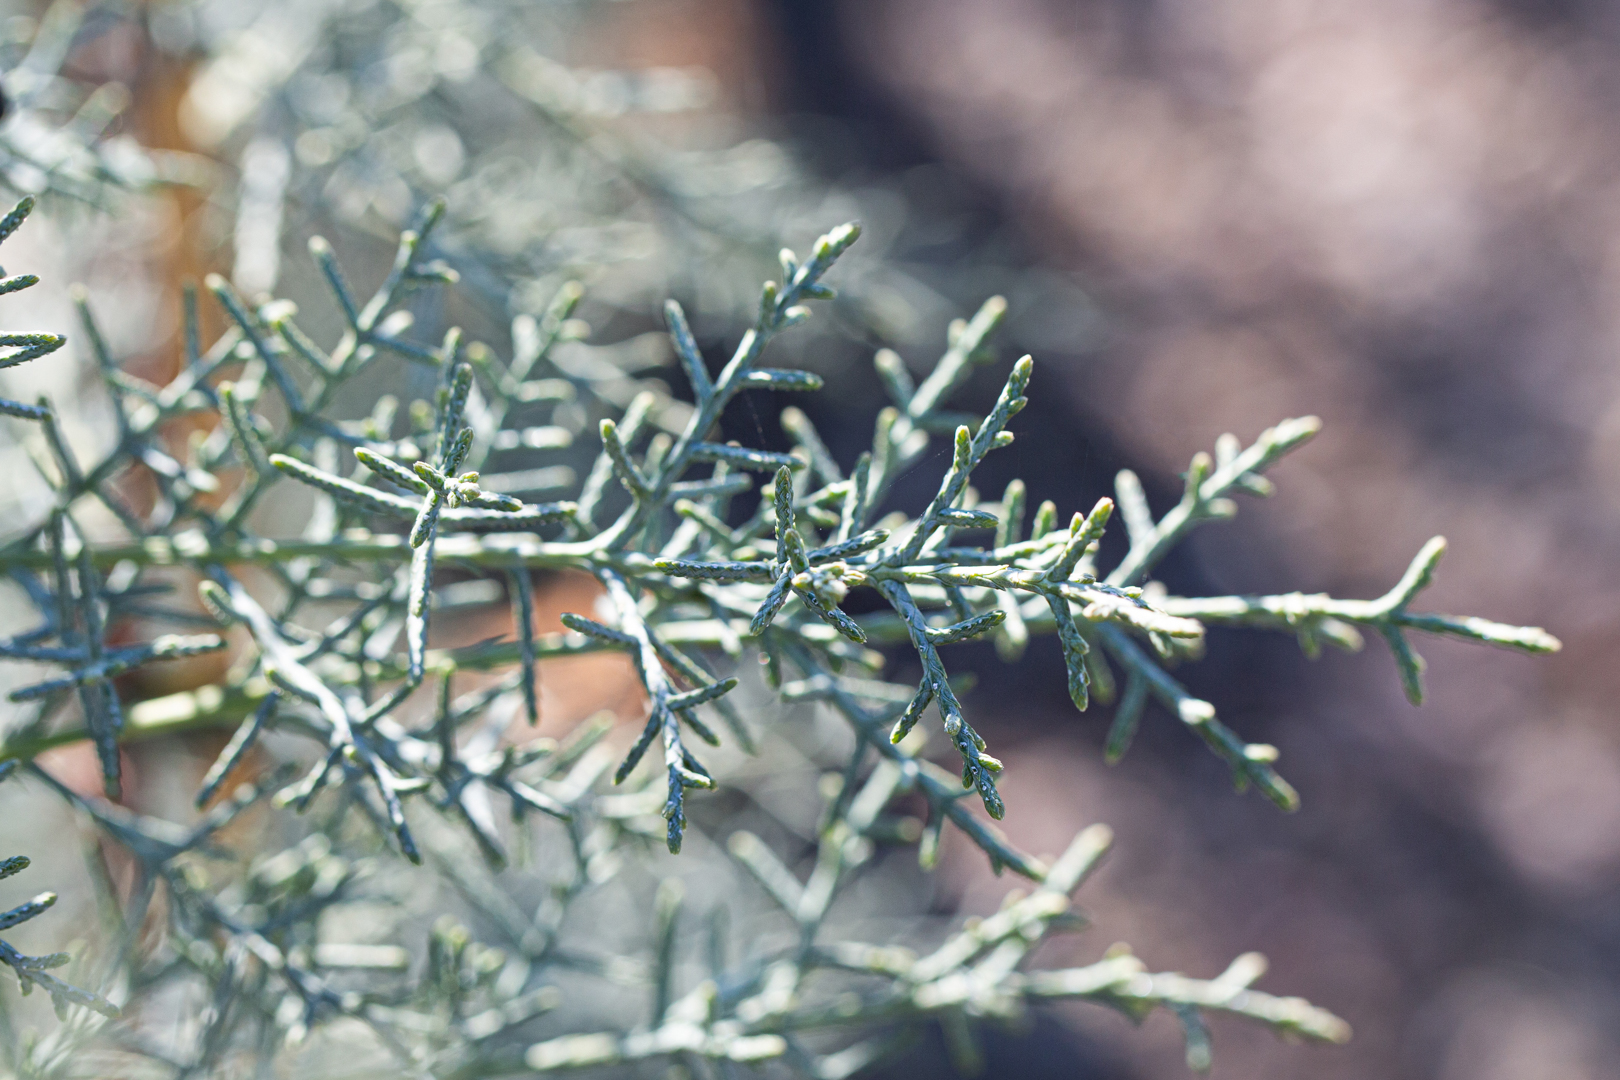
(1399, 216)
(1207, 215)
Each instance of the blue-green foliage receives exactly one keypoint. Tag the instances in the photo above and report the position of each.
(708, 556)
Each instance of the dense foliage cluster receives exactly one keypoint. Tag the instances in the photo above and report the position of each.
(694, 581)
(320, 541)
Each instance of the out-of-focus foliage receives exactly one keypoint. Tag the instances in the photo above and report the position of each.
(59, 130)
(352, 114)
